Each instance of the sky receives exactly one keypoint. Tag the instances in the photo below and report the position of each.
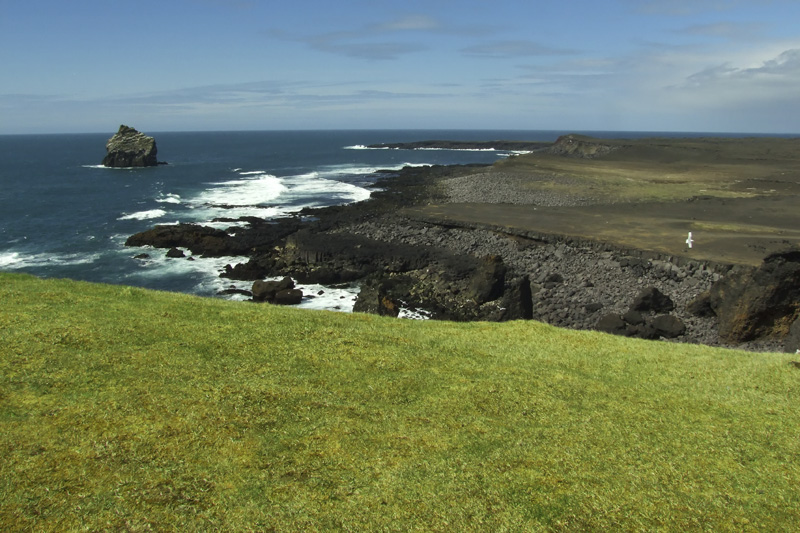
(201, 65)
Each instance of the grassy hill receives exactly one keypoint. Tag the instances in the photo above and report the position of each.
(125, 409)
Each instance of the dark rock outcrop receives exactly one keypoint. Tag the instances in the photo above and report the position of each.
(612, 323)
(281, 292)
(639, 321)
(374, 300)
(175, 253)
(212, 242)
(701, 306)
(759, 303)
(488, 282)
(581, 146)
(130, 148)
(288, 297)
(633, 324)
(201, 240)
(668, 326)
(652, 300)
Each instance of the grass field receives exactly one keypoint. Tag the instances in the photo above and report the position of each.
(124, 409)
(739, 197)
(668, 170)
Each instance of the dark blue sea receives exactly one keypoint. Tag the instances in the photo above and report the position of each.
(63, 215)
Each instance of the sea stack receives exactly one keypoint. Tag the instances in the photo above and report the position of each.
(130, 148)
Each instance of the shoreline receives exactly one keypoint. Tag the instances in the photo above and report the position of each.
(465, 267)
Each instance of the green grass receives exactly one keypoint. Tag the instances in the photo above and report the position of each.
(124, 409)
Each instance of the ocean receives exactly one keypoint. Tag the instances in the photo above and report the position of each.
(63, 215)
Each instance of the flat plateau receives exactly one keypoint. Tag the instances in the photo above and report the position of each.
(738, 196)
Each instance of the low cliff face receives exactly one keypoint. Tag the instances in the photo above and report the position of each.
(130, 148)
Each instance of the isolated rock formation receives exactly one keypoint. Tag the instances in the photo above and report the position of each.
(130, 148)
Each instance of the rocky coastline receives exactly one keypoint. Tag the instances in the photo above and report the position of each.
(477, 271)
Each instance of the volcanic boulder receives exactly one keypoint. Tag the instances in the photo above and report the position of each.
(280, 292)
(373, 299)
(130, 148)
(651, 299)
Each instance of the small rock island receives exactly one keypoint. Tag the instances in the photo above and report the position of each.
(130, 148)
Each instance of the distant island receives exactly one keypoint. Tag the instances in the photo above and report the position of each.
(516, 146)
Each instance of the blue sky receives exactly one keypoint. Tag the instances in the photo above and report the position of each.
(174, 65)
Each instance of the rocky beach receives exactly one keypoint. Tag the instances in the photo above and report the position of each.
(579, 233)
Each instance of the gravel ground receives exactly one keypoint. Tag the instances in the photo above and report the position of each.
(506, 188)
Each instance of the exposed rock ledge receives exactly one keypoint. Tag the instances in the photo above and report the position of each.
(130, 148)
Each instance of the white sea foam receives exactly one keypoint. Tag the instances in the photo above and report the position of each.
(431, 149)
(364, 147)
(414, 314)
(16, 260)
(314, 185)
(332, 299)
(144, 215)
(158, 265)
(207, 270)
(9, 259)
(256, 189)
(263, 195)
(169, 199)
(345, 170)
(110, 168)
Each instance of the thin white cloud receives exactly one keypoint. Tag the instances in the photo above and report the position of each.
(387, 40)
(367, 50)
(683, 7)
(780, 71)
(302, 95)
(409, 23)
(517, 48)
(725, 30)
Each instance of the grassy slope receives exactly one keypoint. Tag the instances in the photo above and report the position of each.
(124, 408)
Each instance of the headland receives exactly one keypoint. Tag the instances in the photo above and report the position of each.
(572, 234)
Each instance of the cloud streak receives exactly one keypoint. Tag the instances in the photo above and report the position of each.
(779, 71)
(370, 42)
(513, 49)
(731, 31)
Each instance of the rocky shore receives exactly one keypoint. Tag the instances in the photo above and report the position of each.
(478, 271)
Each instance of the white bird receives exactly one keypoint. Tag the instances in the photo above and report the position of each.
(689, 240)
